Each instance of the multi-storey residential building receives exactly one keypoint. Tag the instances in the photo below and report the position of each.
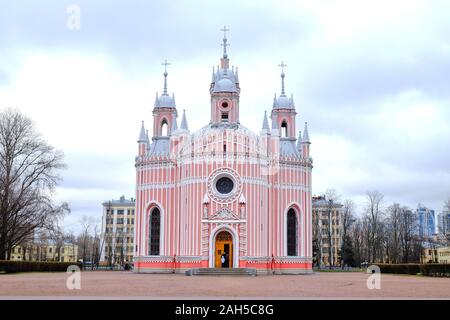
(117, 240)
(427, 221)
(49, 252)
(327, 233)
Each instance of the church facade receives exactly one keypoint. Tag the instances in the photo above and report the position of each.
(223, 196)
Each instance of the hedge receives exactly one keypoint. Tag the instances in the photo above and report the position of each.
(35, 266)
(428, 269)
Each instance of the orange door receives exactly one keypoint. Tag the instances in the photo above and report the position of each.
(224, 245)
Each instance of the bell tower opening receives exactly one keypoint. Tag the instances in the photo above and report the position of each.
(164, 128)
(284, 129)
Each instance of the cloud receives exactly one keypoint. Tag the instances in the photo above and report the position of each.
(371, 79)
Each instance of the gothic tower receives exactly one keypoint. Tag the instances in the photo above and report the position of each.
(224, 90)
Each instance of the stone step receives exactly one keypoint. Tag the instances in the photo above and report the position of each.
(221, 272)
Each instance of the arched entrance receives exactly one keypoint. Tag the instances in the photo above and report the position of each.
(223, 247)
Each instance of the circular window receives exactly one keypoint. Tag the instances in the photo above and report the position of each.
(224, 104)
(224, 185)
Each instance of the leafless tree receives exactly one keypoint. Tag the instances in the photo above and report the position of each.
(28, 175)
(373, 217)
(347, 218)
(447, 204)
(408, 235)
(331, 198)
(393, 223)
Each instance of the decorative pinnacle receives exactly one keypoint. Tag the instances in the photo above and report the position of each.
(165, 64)
(265, 122)
(306, 134)
(282, 65)
(184, 124)
(142, 135)
(225, 55)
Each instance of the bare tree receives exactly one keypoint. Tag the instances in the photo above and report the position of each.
(393, 223)
(347, 218)
(331, 198)
(28, 175)
(447, 204)
(408, 237)
(373, 217)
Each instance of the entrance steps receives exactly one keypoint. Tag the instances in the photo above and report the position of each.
(221, 272)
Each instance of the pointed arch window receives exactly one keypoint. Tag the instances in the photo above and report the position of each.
(284, 129)
(154, 232)
(164, 128)
(292, 237)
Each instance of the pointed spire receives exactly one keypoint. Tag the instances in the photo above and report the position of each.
(265, 122)
(173, 98)
(206, 199)
(184, 124)
(282, 65)
(165, 64)
(146, 134)
(225, 55)
(156, 100)
(213, 79)
(292, 101)
(306, 134)
(242, 199)
(237, 75)
(142, 134)
(275, 104)
(299, 141)
(174, 123)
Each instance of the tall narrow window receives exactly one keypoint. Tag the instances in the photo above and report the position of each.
(284, 129)
(155, 219)
(291, 233)
(164, 128)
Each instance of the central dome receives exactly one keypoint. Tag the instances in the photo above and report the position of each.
(225, 85)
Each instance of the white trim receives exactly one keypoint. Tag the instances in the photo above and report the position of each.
(212, 245)
(223, 221)
(294, 205)
(161, 227)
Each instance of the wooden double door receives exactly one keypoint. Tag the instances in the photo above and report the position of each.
(224, 250)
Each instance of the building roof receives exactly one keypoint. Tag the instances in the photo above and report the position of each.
(121, 202)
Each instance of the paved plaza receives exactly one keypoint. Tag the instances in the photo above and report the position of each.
(321, 285)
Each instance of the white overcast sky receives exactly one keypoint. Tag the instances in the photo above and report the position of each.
(372, 78)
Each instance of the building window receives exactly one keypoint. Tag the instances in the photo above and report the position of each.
(120, 212)
(120, 221)
(291, 233)
(224, 185)
(49, 250)
(224, 116)
(164, 128)
(155, 220)
(284, 129)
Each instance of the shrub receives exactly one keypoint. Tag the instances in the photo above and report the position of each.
(35, 266)
(429, 269)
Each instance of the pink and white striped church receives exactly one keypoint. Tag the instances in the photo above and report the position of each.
(223, 196)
